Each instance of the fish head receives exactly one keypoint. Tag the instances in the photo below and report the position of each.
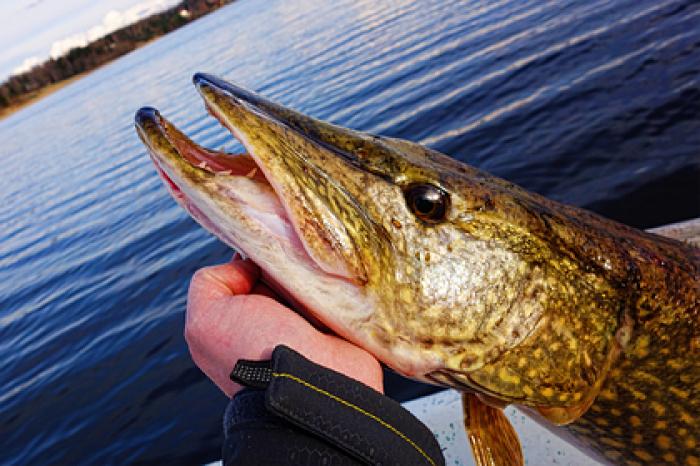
(428, 263)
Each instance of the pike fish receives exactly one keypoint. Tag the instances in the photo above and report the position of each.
(455, 277)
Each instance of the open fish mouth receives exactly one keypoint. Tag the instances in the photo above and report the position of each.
(189, 170)
(264, 202)
(247, 180)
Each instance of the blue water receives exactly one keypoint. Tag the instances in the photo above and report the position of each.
(594, 103)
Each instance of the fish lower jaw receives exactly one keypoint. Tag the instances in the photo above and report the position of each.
(249, 220)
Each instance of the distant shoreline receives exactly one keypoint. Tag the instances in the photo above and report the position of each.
(22, 90)
(33, 97)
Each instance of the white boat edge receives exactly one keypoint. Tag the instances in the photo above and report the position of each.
(441, 412)
(687, 231)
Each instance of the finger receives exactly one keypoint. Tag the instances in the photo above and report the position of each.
(240, 327)
(222, 281)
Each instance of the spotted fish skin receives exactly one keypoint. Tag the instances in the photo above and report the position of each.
(479, 284)
(645, 408)
(647, 412)
(648, 408)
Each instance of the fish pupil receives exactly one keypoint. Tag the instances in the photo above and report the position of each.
(425, 206)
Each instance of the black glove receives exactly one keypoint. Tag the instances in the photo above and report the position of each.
(297, 412)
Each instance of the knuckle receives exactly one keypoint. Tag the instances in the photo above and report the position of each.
(198, 278)
(189, 333)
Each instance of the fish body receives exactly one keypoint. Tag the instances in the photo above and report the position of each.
(455, 277)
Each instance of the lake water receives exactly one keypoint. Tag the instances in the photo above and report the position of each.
(594, 103)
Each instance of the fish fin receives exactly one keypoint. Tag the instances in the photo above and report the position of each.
(492, 437)
(561, 416)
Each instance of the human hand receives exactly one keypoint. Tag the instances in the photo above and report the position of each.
(231, 315)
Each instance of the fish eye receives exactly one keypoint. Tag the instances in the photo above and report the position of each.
(427, 202)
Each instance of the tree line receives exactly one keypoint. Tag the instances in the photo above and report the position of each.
(20, 87)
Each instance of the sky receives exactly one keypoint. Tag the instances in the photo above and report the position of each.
(31, 31)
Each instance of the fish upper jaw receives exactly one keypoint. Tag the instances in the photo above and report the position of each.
(286, 157)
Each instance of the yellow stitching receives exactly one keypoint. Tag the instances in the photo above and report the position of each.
(356, 408)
